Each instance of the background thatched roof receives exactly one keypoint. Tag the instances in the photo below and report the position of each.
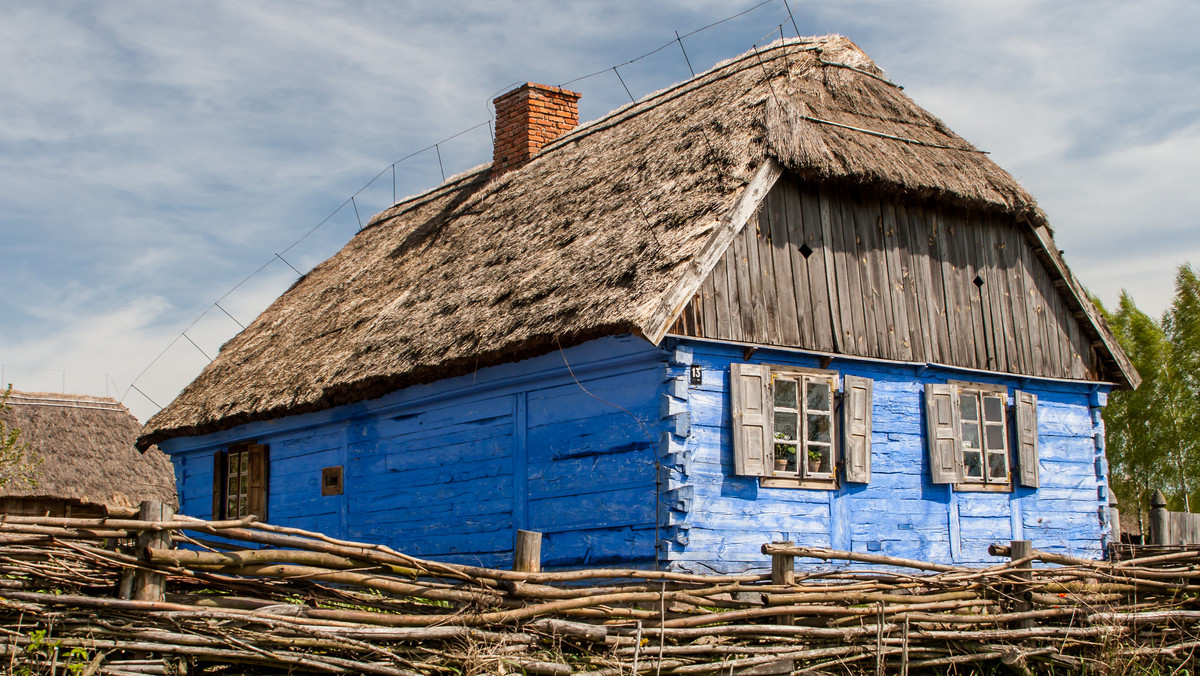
(591, 238)
(86, 451)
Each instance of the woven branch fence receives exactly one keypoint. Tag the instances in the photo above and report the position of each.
(247, 597)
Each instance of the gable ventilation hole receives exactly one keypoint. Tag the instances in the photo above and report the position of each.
(978, 280)
(805, 250)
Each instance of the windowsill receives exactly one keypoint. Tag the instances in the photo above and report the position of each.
(983, 488)
(792, 482)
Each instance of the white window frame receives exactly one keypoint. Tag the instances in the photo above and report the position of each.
(804, 441)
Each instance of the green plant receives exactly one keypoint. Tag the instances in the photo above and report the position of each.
(17, 462)
(814, 455)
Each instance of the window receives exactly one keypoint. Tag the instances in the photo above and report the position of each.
(787, 425)
(240, 478)
(802, 425)
(969, 435)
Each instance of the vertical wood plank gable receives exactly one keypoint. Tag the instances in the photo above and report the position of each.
(892, 280)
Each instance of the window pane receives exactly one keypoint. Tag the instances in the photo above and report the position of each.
(998, 466)
(785, 393)
(231, 508)
(995, 437)
(818, 459)
(969, 406)
(233, 463)
(818, 395)
(973, 464)
(819, 427)
(787, 454)
(993, 409)
(785, 425)
(970, 435)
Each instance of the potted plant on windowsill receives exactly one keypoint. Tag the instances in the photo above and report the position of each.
(814, 460)
(785, 454)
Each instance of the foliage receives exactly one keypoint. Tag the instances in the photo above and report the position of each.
(1153, 432)
(17, 463)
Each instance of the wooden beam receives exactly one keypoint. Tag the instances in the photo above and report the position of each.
(731, 224)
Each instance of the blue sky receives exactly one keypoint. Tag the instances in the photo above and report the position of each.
(153, 154)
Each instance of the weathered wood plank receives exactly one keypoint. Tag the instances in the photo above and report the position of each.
(762, 283)
(732, 305)
(895, 251)
(850, 267)
(997, 267)
(1015, 273)
(1031, 304)
(842, 261)
(746, 298)
(986, 310)
(871, 237)
(958, 312)
(857, 226)
(785, 315)
(708, 302)
(930, 286)
(826, 313)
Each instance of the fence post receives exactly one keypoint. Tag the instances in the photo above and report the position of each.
(528, 555)
(1160, 519)
(783, 572)
(1020, 549)
(1114, 522)
(152, 586)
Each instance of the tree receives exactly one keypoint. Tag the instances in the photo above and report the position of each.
(1153, 432)
(1181, 324)
(1134, 419)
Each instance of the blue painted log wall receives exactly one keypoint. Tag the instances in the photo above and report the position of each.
(627, 450)
(449, 470)
(725, 519)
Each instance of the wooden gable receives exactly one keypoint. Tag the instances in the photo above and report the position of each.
(846, 271)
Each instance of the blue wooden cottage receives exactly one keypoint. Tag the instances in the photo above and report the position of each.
(776, 301)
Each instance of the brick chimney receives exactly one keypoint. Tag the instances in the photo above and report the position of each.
(527, 118)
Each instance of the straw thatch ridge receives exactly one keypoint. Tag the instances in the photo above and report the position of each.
(85, 449)
(594, 237)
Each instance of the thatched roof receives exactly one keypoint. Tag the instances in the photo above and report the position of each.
(86, 452)
(607, 231)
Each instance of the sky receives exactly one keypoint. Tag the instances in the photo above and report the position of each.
(156, 156)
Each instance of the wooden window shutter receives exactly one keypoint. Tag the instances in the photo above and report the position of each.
(220, 469)
(750, 400)
(260, 477)
(944, 432)
(1027, 439)
(856, 410)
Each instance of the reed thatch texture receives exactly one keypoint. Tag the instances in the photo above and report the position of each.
(596, 236)
(84, 447)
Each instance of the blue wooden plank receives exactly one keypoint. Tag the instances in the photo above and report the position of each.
(592, 474)
(596, 547)
(632, 506)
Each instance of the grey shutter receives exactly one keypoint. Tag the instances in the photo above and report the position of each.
(944, 432)
(856, 411)
(1027, 439)
(750, 400)
(260, 478)
(220, 476)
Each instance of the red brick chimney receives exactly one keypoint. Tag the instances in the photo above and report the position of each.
(527, 118)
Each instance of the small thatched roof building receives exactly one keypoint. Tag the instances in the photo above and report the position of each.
(609, 230)
(86, 460)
